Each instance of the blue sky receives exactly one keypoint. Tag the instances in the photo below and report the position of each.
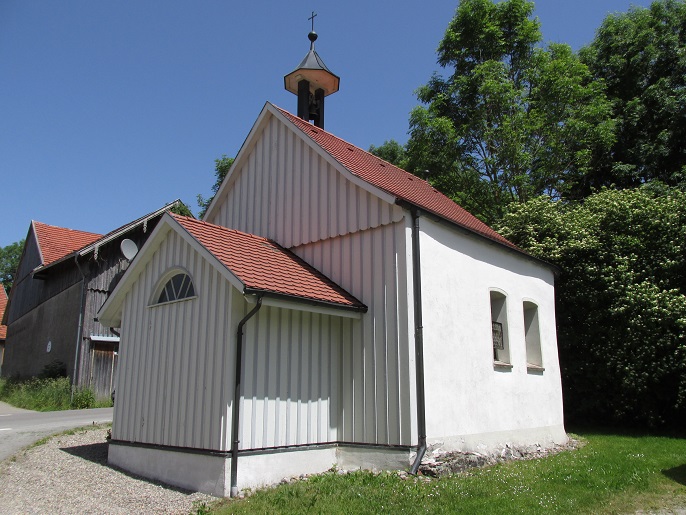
(109, 110)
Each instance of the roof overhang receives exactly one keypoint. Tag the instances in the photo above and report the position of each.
(278, 300)
(111, 311)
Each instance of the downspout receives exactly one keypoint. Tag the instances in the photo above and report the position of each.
(418, 342)
(237, 396)
(79, 329)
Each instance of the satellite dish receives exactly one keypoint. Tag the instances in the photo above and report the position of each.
(129, 249)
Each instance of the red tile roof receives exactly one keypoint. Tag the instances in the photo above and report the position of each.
(57, 242)
(262, 264)
(3, 305)
(396, 181)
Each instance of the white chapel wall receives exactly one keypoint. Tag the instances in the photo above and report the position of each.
(466, 393)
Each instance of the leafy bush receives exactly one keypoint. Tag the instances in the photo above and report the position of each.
(38, 394)
(83, 398)
(621, 300)
(46, 394)
(54, 370)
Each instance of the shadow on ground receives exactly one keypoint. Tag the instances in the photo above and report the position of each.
(677, 474)
(97, 453)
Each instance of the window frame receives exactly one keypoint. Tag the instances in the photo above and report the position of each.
(532, 336)
(165, 280)
(502, 358)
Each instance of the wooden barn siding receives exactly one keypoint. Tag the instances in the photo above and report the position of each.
(375, 363)
(88, 377)
(285, 191)
(31, 292)
(102, 275)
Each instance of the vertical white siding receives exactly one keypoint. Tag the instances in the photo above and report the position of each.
(176, 358)
(375, 369)
(177, 363)
(286, 191)
(291, 382)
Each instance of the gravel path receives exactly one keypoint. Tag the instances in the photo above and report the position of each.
(69, 474)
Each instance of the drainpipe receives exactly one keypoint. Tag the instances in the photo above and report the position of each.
(79, 329)
(418, 342)
(237, 396)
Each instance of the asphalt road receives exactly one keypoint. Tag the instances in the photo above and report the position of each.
(19, 428)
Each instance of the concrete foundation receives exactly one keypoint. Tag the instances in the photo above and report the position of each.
(211, 473)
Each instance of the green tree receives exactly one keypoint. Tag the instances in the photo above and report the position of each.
(511, 120)
(641, 57)
(182, 209)
(621, 299)
(391, 151)
(9, 262)
(221, 168)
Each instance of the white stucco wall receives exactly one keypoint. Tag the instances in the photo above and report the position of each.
(471, 402)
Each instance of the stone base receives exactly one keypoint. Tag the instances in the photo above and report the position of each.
(495, 441)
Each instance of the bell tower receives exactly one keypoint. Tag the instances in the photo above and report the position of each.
(311, 81)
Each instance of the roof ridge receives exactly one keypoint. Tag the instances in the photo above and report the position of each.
(355, 147)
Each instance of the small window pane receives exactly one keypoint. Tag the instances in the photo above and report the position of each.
(179, 287)
(177, 281)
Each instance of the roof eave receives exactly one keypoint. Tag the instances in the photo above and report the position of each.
(406, 204)
(354, 308)
(126, 228)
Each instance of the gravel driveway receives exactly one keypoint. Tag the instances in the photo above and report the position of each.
(69, 474)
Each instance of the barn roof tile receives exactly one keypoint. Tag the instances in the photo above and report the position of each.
(57, 242)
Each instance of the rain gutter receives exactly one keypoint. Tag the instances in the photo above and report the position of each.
(237, 396)
(418, 342)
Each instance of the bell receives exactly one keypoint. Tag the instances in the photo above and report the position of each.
(314, 107)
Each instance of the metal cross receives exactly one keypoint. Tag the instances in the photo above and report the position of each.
(312, 18)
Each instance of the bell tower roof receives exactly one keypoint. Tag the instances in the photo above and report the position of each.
(312, 69)
(311, 81)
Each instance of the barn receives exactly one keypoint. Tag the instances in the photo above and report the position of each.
(63, 278)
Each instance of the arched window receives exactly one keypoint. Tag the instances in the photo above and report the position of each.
(501, 346)
(178, 286)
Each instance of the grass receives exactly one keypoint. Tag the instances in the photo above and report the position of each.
(50, 394)
(610, 474)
